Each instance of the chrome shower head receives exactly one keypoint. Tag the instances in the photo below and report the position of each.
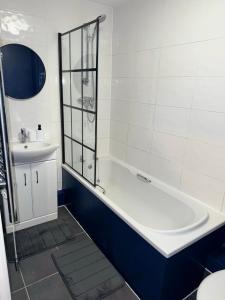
(101, 18)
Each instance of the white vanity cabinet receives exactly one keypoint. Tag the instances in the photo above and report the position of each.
(23, 192)
(36, 192)
(44, 188)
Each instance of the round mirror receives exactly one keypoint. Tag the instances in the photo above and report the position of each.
(23, 71)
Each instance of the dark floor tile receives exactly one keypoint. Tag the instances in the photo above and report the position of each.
(20, 295)
(15, 278)
(51, 288)
(38, 266)
(69, 246)
(35, 239)
(65, 216)
(124, 293)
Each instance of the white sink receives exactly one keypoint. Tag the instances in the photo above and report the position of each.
(28, 152)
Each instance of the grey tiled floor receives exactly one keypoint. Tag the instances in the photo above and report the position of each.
(49, 288)
(37, 267)
(33, 240)
(20, 295)
(38, 279)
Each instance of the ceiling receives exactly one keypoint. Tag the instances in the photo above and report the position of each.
(112, 3)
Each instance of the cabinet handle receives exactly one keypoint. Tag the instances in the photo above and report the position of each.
(37, 176)
(25, 179)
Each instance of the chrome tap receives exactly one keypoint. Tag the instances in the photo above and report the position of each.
(24, 135)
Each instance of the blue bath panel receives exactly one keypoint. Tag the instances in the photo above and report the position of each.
(216, 259)
(150, 274)
(62, 198)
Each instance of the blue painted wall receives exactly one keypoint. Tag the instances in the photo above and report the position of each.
(151, 275)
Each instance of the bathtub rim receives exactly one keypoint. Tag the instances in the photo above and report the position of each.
(173, 192)
(169, 245)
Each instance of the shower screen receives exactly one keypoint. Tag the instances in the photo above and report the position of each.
(78, 69)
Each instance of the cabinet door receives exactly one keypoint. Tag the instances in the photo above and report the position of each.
(23, 192)
(44, 188)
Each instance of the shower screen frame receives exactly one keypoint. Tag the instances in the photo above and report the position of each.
(82, 71)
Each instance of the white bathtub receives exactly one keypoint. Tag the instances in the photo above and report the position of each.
(146, 203)
(167, 218)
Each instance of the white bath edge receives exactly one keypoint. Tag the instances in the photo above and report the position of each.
(162, 185)
(168, 245)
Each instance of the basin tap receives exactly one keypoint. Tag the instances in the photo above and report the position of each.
(24, 135)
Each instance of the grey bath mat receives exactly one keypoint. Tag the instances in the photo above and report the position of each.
(48, 235)
(86, 272)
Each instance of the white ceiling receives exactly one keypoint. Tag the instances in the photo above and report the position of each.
(112, 3)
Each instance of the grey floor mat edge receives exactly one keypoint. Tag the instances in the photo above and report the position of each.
(45, 236)
(84, 296)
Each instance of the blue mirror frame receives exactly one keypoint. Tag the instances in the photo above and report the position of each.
(23, 70)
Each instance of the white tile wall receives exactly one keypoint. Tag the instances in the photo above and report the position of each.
(168, 93)
(140, 114)
(169, 146)
(123, 66)
(118, 149)
(208, 126)
(103, 129)
(120, 111)
(179, 60)
(146, 63)
(138, 158)
(172, 120)
(104, 109)
(118, 131)
(145, 90)
(210, 94)
(177, 92)
(139, 137)
(123, 88)
(211, 58)
(203, 187)
(166, 170)
(206, 159)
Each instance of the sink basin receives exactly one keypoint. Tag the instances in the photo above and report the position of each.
(28, 152)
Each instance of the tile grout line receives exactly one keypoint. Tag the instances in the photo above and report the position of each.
(186, 297)
(98, 248)
(28, 296)
(84, 232)
(80, 233)
(25, 286)
(40, 280)
(133, 292)
(195, 290)
(208, 270)
(163, 46)
(17, 290)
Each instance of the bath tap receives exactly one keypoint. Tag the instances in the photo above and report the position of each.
(143, 178)
(102, 188)
(24, 135)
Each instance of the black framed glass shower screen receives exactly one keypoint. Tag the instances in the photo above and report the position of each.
(78, 71)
